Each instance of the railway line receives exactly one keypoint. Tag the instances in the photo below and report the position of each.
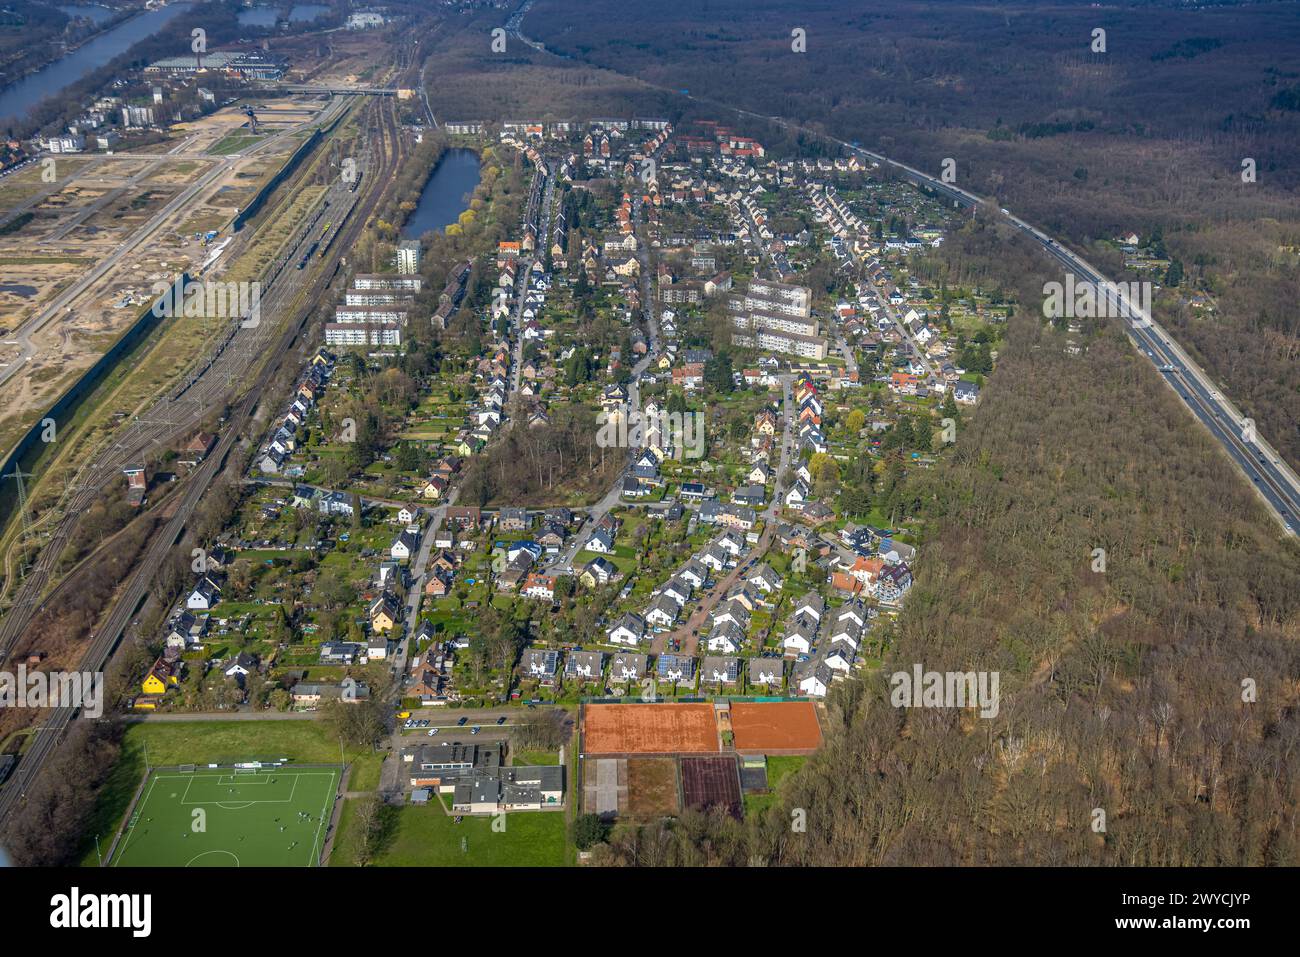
(296, 294)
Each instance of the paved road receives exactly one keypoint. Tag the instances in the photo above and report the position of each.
(563, 563)
(182, 717)
(688, 634)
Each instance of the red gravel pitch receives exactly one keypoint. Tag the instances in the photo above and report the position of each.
(649, 729)
(711, 782)
(774, 727)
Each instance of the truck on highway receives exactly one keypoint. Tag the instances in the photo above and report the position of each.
(7, 762)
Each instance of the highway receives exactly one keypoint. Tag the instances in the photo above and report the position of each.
(1274, 480)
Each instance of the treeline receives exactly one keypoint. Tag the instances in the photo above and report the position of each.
(45, 830)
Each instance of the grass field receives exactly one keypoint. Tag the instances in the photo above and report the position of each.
(224, 818)
(425, 836)
(779, 767)
(234, 142)
(217, 742)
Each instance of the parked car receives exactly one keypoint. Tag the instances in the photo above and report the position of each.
(501, 720)
(462, 722)
(475, 730)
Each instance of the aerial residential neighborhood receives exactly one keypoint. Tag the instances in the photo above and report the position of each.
(537, 434)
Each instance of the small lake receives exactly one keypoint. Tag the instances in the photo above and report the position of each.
(16, 100)
(258, 16)
(303, 12)
(446, 195)
(267, 16)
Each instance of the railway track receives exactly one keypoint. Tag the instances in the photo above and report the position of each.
(299, 295)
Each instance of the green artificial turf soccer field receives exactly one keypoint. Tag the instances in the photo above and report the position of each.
(226, 818)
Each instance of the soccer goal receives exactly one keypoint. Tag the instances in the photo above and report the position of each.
(186, 768)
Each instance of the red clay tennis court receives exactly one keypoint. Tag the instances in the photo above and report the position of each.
(649, 729)
(775, 726)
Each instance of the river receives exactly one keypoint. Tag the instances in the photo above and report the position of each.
(446, 195)
(18, 99)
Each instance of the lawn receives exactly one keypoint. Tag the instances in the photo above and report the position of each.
(536, 758)
(779, 767)
(266, 818)
(233, 143)
(425, 836)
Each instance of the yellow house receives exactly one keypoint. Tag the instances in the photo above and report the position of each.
(163, 675)
(384, 614)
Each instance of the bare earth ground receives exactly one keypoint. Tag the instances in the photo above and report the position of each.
(652, 788)
(96, 204)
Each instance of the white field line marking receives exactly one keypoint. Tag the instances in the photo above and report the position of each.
(130, 830)
(321, 825)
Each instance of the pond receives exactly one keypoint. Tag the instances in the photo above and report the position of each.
(446, 195)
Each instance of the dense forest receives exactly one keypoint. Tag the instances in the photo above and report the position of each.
(1122, 691)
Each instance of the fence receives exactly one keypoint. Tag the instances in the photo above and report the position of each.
(695, 699)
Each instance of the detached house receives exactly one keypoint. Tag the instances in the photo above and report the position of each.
(599, 571)
(385, 613)
(539, 586)
(404, 545)
(663, 612)
(628, 630)
(513, 520)
(601, 541)
(813, 678)
(628, 667)
(205, 593)
(675, 668)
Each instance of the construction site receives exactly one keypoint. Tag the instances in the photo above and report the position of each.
(85, 240)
